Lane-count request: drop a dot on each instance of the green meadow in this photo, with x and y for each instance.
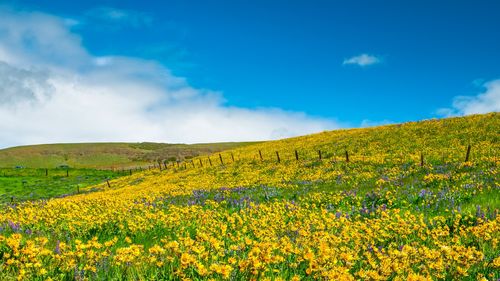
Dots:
(31, 184)
(53, 170)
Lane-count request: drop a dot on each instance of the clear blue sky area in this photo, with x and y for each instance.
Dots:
(291, 54)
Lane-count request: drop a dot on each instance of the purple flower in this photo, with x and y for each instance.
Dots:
(14, 226)
(423, 193)
(370, 249)
(479, 212)
(57, 250)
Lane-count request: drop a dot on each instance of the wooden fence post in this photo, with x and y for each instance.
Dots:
(201, 163)
(260, 154)
(232, 157)
(468, 153)
(67, 173)
(296, 155)
(319, 155)
(278, 156)
(421, 159)
(107, 181)
(220, 157)
(130, 171)
(46, 172)
(210, 161)
(347, 156)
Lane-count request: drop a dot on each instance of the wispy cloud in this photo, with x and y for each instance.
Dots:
(484, 102)
(370, 123)
(53, 90)
(362, 60)
(119, 16)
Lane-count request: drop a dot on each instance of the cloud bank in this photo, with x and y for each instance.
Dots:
(362, 60)
(487, 101)
(53, 90)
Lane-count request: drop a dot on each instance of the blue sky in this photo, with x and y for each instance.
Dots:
(334, 63)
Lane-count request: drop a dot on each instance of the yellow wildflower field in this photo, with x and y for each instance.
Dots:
(399, 202)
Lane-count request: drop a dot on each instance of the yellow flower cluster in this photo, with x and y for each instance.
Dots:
(381, 216)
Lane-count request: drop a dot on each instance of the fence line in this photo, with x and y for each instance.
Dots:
(416, 157)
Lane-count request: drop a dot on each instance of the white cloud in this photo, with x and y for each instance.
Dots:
(362, 60)
(53, 90)
(370, 123)
(487, 101)
(120, 16)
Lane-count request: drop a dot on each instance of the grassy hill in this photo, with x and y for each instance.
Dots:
(103, 155)
(376, 213)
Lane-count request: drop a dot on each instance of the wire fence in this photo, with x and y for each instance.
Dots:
(64, 182)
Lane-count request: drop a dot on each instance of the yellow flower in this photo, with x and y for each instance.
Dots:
(42, 271)
(496, 262)
(186, 259)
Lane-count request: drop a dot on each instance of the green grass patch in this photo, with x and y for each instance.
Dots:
(30, 184)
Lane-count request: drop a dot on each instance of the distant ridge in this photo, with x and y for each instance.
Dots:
(105, 155)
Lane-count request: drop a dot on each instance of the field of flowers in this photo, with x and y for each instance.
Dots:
(367, 210)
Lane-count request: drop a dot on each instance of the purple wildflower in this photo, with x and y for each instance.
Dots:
(57, 250)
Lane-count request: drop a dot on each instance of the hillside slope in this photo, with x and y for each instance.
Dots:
(379, 215)
(103, 155)
(440, 143)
